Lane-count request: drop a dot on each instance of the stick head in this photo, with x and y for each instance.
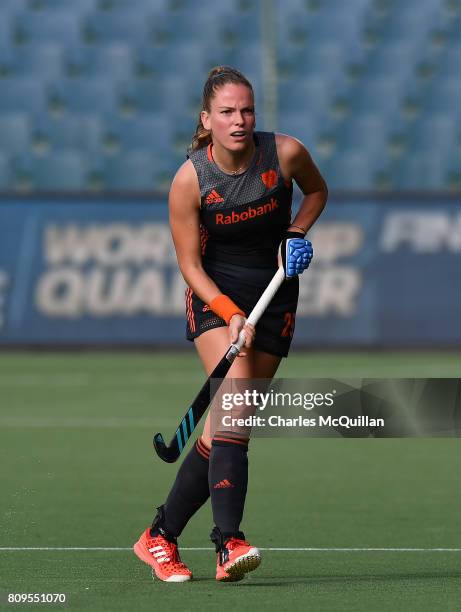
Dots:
(167, 453)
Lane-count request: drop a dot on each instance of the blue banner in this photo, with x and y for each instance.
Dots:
(104, 272)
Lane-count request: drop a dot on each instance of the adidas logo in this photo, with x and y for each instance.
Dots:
(160, 554)
(224, 484)
(214, 198)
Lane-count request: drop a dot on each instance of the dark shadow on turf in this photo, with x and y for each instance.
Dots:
(264, 582)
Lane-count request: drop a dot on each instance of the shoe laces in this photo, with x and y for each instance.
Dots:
(174, 563)
(235, 542)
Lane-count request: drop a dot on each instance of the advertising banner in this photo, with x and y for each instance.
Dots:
(83, 272)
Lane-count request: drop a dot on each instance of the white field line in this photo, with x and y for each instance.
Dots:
(274, 549)
(83, 379)
(85, 422)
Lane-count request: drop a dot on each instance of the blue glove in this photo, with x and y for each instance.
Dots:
(296, 254)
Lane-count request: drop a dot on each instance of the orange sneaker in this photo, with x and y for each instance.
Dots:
(163, 556)
(236, 557)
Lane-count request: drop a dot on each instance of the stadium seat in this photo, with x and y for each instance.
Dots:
(169, 29)
(353, 170)
(71, 6)
(319, 27)
(149, 132)
(12, 7)
(324, 59)
(122, 27)
(14, 132)
(85, 95)
(438, 132)
(40, 60)
(65, 170)
(79, 132)
(53, 26)
(400, 25)
(422, 170)
(136, 170)
(21, 94)
(305, 127)
(444, 96)
(170, 94)
(392, 61)
(335, 7)
(365, 132)
(380, 95)
(166, 61)
(5, 34)
(113, 61)
(5, 172)
(311, 95)
(449, 61)
(146, 6)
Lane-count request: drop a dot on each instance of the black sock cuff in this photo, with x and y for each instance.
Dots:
(219, 538)
(158, 526)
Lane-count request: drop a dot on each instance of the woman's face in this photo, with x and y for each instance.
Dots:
(232, 117)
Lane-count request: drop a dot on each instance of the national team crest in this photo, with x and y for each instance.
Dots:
(269, 178)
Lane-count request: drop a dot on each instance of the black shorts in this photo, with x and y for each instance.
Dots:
(244, 286)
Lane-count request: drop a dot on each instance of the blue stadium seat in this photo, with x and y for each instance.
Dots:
(53, 26)
(66, 170)
(306, 128)
(320, 27)
(364, 132)
(381, 95)
(145, 6)
(14, 132)
(325, 59)
(410, 8)
(438, 132)
(12, 7)
(124, 26)
(170, 94)
(5, 172)
(168, 29)
(21, 94)
(149, 132)
(422, 170)
(73, 7)
(444, 96)
(134, 171)
(40, 60)
(449, 62)
(168, 61)
(79, 132)
(86, 95)
(353, 170)
(392, 61)
(247, 58)
(5, 34)
(114, 61)
(401, 25)
(310, 95)
(325, 7)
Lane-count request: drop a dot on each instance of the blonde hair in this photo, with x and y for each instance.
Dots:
(217, 77)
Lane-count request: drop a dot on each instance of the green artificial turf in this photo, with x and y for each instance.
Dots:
(78, 470)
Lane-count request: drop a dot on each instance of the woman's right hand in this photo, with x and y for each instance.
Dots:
(236, 324)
